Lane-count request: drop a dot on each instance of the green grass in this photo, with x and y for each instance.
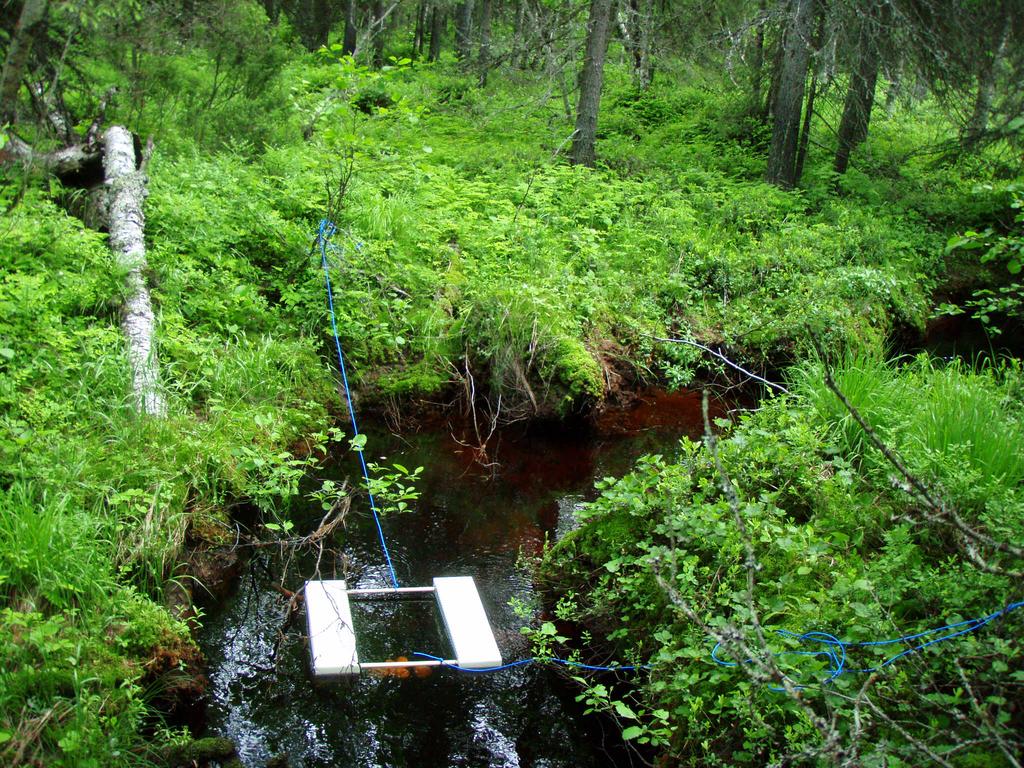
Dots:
(465, 244)
(840, 547)
(960, 426)
(970, 416)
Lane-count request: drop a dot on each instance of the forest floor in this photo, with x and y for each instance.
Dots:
(474, 264)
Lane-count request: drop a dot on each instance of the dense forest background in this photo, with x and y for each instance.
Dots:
(546, 205)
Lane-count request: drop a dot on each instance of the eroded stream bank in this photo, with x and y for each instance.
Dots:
(470, 520)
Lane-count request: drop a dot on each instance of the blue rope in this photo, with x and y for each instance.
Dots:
(324, 233)
(536, 659)
(835, 649)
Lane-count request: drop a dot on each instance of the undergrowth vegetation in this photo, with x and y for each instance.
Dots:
(834, 541)
(96, 501)
(473, 261)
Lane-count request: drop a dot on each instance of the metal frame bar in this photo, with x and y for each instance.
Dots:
(400, 664)
(385, 591)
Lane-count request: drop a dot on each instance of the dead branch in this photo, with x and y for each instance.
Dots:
(723, 358)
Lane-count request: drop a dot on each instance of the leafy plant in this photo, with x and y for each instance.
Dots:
(394, 488)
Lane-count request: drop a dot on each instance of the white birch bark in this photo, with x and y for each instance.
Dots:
(126, 185)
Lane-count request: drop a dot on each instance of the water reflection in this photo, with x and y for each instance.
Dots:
(470, 522)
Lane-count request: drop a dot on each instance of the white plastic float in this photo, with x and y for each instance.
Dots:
(332, 635)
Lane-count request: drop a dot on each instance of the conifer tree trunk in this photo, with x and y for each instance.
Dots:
(437, 24)
(789, 97)
(767, 109)
(420, 31)
(757, 64)
(30, 22)
(591, 81)
(805, 133)
(484, 61)
(860, 98)
(351, 35)
(643, 32)
(978, 123)
(463, 26)
(378, 33)
(126, 184)
(518, 56)
(892, 93)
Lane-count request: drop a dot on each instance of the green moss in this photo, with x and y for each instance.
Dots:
(576, 369)
(418, 380)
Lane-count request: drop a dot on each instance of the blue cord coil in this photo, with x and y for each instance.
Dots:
(324, 233)
(835, 650)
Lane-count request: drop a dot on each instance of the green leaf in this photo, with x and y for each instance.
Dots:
(358, 442)
(623, 710)
(632, 732)
(7, 352)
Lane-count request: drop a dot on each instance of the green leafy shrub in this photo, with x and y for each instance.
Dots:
(839, 549)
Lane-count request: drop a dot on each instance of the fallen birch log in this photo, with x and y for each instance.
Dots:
(126, 191)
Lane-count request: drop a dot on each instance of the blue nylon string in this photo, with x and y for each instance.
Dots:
(324, 233)
(835, 649)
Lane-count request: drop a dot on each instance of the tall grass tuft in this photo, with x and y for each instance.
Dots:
(967, 415)
(960, 427)
(868, 381)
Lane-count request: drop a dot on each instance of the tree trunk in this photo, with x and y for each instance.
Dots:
(637, 32)
(860, 98)
(463, 26)
(789, 97)
(778, 49)
(484, 62)
(591, 81)
(818, 67)
(757, 63)
(517, 36)
(436, 33)
(420, 31)
(892, 93)
(377, 31)
(348, 42)
(30, 22)
(978, 123)
(805, 133)
(273, 10)
(67, 161)
(127, 191)
(313, 21)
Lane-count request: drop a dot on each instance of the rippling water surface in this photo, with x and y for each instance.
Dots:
(469, 521)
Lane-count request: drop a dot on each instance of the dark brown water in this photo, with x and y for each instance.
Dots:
(472, 521)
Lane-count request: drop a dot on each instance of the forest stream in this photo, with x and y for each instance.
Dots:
(471, 520)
